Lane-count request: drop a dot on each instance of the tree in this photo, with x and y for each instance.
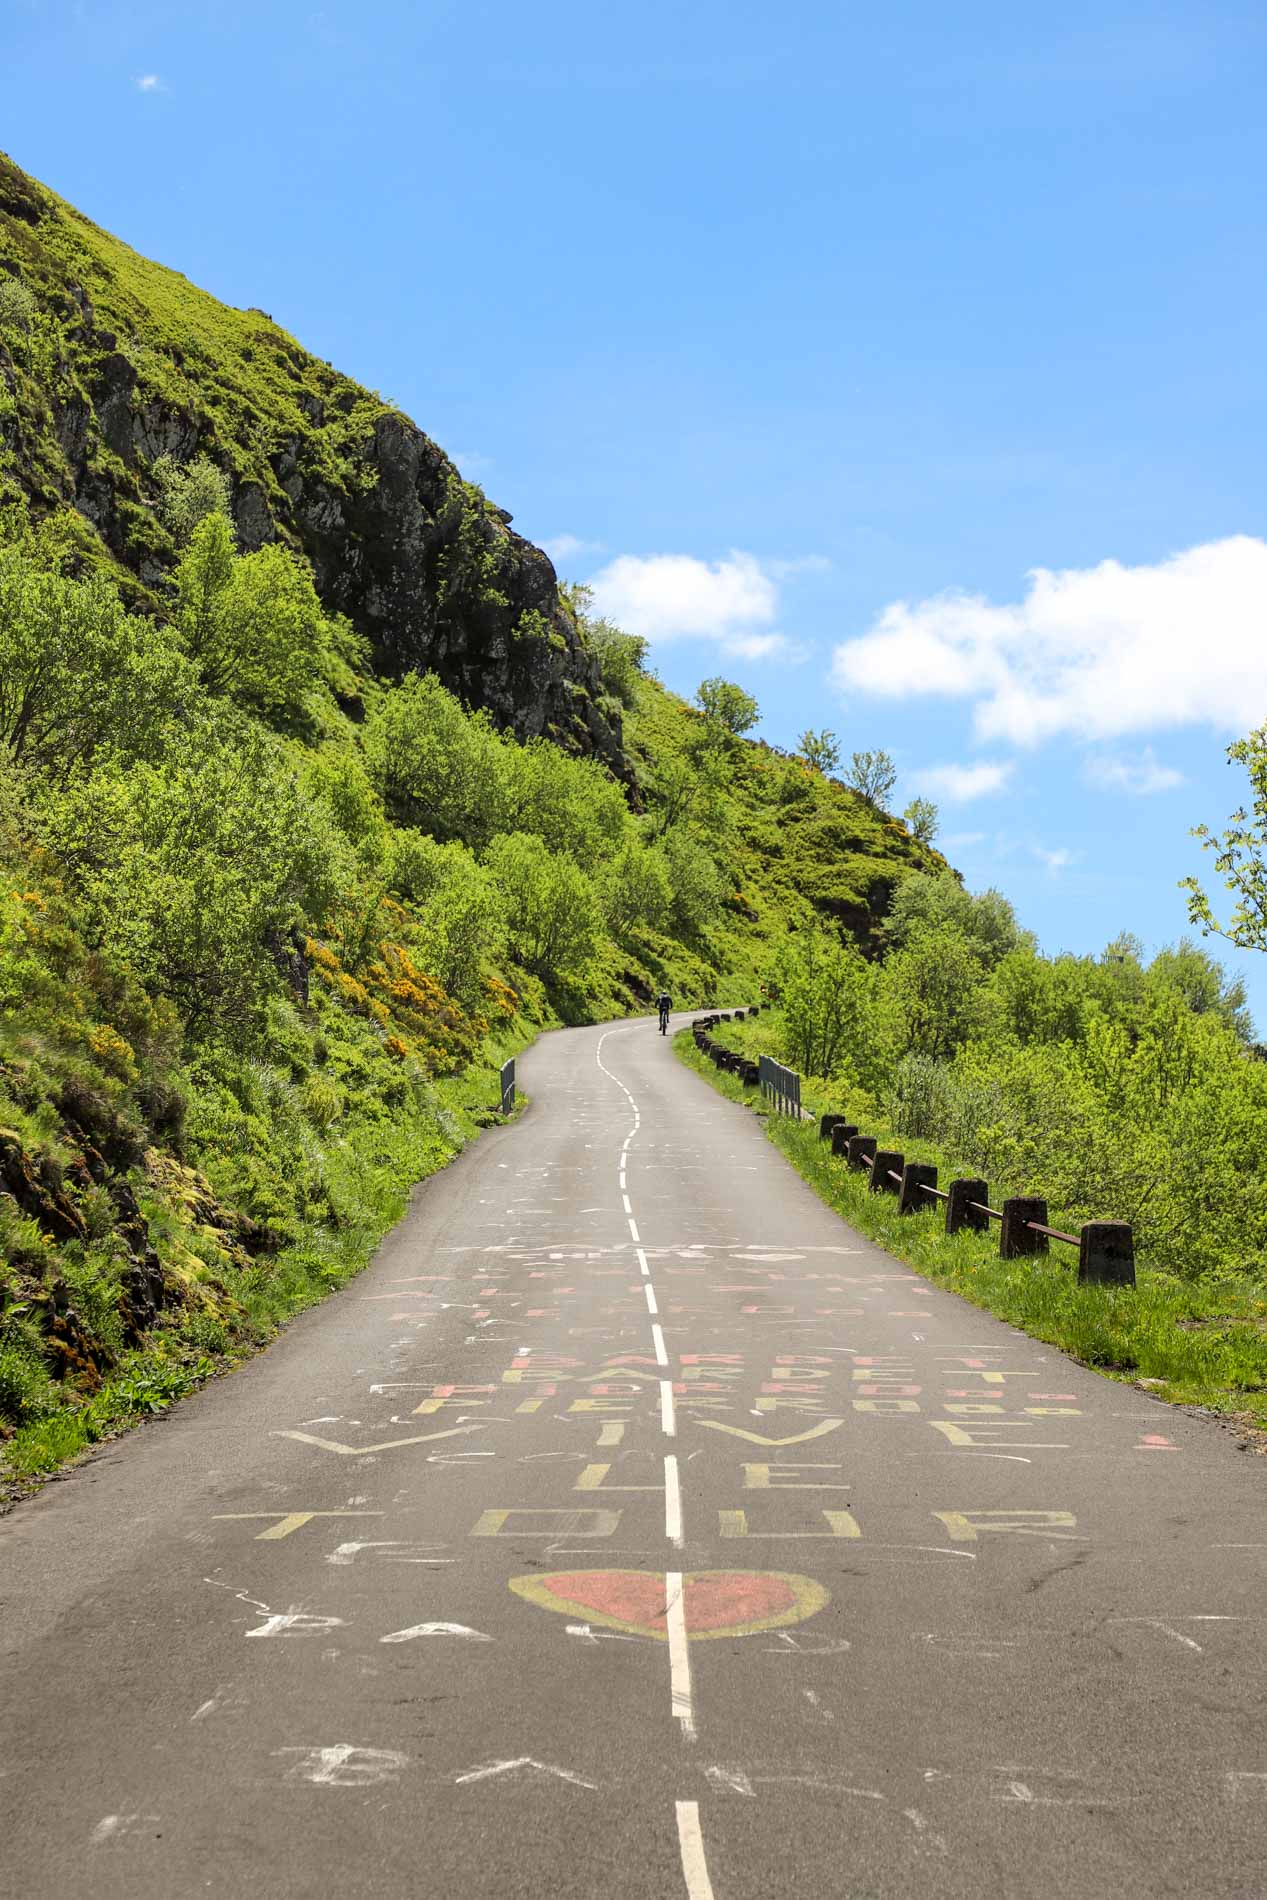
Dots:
(438, 767)
(874, 775)
(252, 623)
(622, 657)
(726, 706)
(188, 492)
(1240, 857)
(635, 889)
(77, 674)
(932, 990)
(925, 900)
(825, 987)
(553, 917)
(921, 820)
(820, 750)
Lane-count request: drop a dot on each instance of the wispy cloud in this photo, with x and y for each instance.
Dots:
(1140, 776)
(1058, 860)
(1096, 652)
(149, 82)
(963, 840)
(570, 547)
(959, 783)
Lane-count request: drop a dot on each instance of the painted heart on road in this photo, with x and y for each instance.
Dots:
(717, 1602)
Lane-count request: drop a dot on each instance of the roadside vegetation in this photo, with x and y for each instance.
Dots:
(1113, 1087)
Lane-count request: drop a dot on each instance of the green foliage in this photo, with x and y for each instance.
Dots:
(17, 307)
(188, 492)
(438, 768)
(826, 991)
(77, 674)
(933, 901)
(252, 623)
(921, 819)
(637, 890)
(622, 657)
(873, 775)
(726, 707)
(553, 915)
(1240, 857)
(820, 750)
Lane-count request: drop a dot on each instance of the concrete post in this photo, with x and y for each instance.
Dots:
(960, 1213)
(1106, 1253)
(825, 1125)
(916, 1176)
(1017, 1241)
(841, 1135)
(885, 1159)
(860, 1150)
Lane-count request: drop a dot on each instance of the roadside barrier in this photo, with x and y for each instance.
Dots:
(508, 1087)
(1106, 1248)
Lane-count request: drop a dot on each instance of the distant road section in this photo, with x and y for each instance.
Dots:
(634, 1528)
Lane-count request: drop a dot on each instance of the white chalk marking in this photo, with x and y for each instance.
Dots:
(679, 1654)
(733, 1778)
(672, 1501)
(295, 1623)
(436, 1629)
(344, 1765)
(668, 1415)
(522, 1761)
(691, 1843)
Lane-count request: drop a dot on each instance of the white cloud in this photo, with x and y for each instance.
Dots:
(1096, 652)
(1141, 776)
(677, 597)
(570, 547)
(1057, 860)
(802, 564)
(962, 840)
(958, 783)
(150, 82)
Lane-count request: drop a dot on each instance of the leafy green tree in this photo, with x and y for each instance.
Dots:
(699, 890)
(932, 992)
(572, 805)
(1203, 984)
(826, 989)
(726, 707)
(77, 674)
(935, 899)
(622, 657)
(921, 820)
(188, 492)
(439, 768)
(635, 888)
(553, 917)
(193, 871)
(820, 750)
(1240, 857)
(252, 623)
(874, 775)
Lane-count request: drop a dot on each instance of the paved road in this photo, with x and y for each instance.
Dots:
(635, 1528)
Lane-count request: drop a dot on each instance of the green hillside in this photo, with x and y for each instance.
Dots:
(317, 798)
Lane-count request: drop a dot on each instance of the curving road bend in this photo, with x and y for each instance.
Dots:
(632, 1527)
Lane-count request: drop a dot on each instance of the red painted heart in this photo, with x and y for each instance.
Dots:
(716, 1602)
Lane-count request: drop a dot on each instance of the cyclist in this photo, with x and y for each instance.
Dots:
(664, 1003)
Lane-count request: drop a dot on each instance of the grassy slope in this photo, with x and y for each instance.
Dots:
(1192, 1345)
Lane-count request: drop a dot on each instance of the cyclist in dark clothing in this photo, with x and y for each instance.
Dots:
(664, 1003)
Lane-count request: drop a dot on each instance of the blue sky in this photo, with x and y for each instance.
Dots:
(903, 363)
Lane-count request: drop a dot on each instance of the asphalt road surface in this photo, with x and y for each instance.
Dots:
(635, 1528)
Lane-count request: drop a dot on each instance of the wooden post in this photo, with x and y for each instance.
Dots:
(916, 1176)
(1017, 1240)
(886, 1159)
(841, 1135)
(825, 1125)
(1106, 1253)
(860, 1150)
(961, 1213)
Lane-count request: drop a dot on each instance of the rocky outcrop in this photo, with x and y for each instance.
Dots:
(419, 561)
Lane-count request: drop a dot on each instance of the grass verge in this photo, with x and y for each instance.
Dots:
(388, 1159)
(1187, 1343)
